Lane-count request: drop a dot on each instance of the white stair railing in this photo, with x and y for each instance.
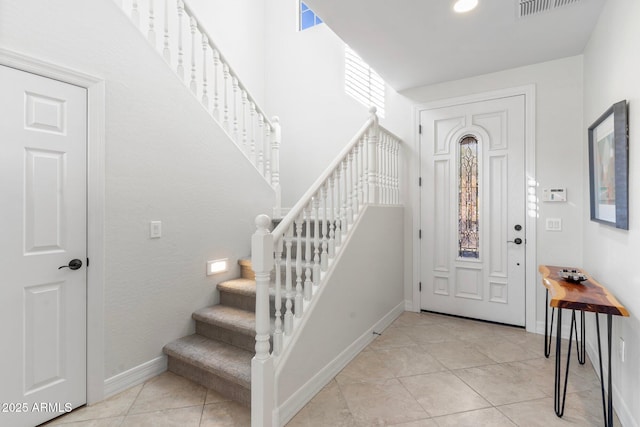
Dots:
(304, 244)
(190, 52)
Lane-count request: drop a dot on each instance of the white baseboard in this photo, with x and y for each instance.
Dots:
(408, 306)
(134, 376)
(291, 406)
(619, 405)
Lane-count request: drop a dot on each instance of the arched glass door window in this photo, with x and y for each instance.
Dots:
(468, 203)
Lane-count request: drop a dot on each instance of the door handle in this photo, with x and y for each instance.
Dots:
(517, 241)
(74, 264)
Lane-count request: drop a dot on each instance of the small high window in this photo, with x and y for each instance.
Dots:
(362, 82)
(307, 17)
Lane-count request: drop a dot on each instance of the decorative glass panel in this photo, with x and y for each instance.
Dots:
(468, 241)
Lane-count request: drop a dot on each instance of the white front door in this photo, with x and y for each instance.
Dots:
(473, 210)
(43, 209)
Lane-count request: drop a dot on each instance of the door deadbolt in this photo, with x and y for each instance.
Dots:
(518, 227)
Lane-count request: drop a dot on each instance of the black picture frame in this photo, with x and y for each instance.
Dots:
(609, 167)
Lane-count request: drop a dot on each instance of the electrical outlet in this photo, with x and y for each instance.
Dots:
(621, 350)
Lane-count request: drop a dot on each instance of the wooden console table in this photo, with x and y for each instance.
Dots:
(591, 296)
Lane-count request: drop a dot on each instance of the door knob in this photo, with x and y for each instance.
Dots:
(517, 241)
(74, 264)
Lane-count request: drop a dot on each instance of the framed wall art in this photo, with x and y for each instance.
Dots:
(609, 167)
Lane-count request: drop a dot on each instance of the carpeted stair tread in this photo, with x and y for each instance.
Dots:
(239, 286)
(231, 318)
(242, 286)
(226, 361)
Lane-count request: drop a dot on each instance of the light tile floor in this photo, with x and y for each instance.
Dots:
(424, 370)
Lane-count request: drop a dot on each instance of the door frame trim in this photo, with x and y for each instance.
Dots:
(95, 204)
(531, 271)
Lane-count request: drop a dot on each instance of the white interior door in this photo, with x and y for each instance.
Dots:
(43, 157)
(473, 210)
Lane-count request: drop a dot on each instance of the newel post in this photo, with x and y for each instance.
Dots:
(276, 138)
(262, 369)
(372, 159)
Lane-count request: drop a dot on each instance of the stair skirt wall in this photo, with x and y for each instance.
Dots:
(362, 293)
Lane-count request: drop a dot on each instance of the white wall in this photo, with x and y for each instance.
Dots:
(237, 28)
(611, 70)
(305, 88)
(559, 147)
(347, 308)
(165, 160)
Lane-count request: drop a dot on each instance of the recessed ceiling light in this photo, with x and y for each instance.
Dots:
(462, 6)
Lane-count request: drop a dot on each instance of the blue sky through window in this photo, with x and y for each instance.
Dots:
(308, 18)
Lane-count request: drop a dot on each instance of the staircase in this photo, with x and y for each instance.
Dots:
(218, 356)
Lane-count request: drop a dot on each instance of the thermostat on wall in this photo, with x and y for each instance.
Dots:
(554, 195)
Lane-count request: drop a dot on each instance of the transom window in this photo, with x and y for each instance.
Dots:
(307, 17)
(468, 238)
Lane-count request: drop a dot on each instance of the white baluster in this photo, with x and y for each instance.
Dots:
(324, 261)
(372, 161)
(338, 206)
(252, 128)
(365, 167)
(347, 212)
(308, 281)
(266, 151)
(216, 98)
(135, 14)
(225, 119)
(151, 33)
(299, 296)
(332, 211)
(275, 164)
(358, 160)
(245, 145)
(277, 334)
(288, 315)
(389, 171)
(262, 264)
(205, 47)
(396, 171)
(166, 53)
(180, 68)
(193, 85)
(260, 145)
(316, 240)
(234, 82)
(384, 180)
(349, 193)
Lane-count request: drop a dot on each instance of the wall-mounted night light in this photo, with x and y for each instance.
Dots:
(217, 266)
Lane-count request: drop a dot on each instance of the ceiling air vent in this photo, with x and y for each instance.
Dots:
(534, 7)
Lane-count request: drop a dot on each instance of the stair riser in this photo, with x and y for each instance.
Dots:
(246, 302)
(227, 388)
(214, 332)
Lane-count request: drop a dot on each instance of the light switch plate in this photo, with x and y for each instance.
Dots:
(554, 224)
(155, 229)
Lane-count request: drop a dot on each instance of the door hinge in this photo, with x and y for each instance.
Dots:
(420, 129)
(420, 287)
(419, 181)
(420, 234)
